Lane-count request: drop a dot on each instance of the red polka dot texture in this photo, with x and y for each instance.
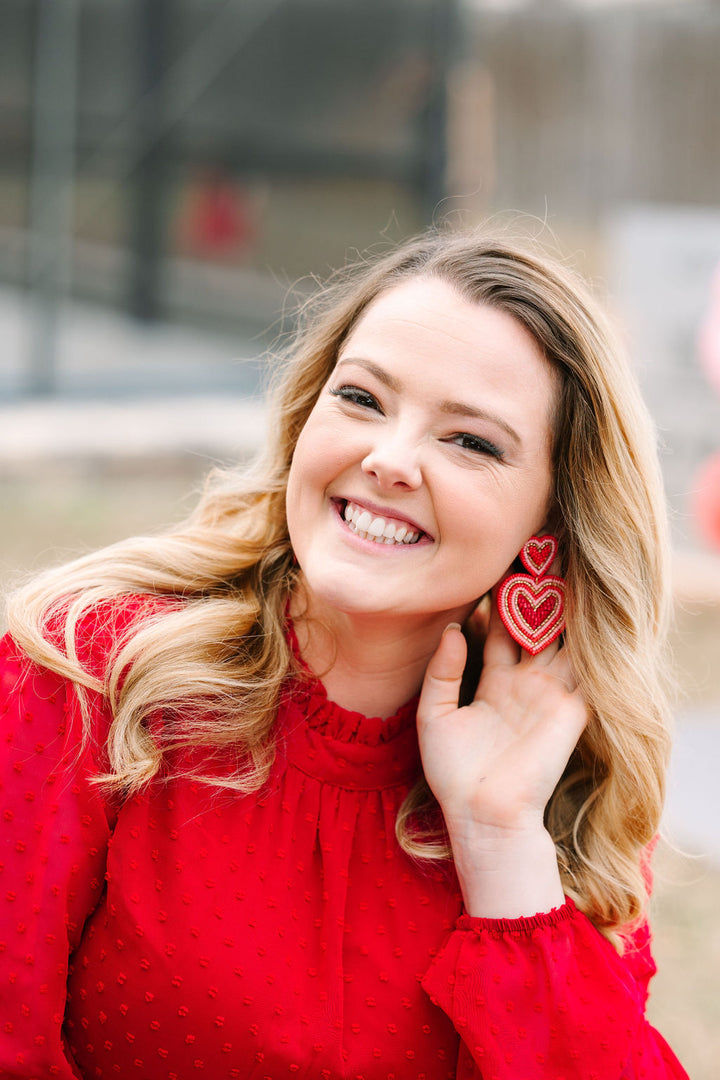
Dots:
(196, 932)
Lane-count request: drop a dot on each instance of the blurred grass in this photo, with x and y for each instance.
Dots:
(48, 519)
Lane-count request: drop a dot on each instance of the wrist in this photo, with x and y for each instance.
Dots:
(507, 874)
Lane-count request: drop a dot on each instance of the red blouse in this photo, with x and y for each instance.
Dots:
(198, 932)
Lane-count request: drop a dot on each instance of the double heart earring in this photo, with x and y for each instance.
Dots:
(532, 605)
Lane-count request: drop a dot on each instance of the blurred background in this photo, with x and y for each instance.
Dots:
(175, 174)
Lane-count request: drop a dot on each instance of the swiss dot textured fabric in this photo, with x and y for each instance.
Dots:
(194, 933)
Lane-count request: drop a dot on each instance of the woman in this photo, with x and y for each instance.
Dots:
(309, 871)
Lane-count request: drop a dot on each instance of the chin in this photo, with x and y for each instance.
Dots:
(350, 603)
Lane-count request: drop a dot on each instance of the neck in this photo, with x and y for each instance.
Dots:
(371, 664)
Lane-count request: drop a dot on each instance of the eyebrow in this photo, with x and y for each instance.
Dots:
(452, 408)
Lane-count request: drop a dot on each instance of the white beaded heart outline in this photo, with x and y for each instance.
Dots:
(532, 606)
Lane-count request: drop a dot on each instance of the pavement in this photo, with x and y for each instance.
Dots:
(128, 394)
(40, 435)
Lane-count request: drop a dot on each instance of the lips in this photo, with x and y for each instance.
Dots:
(379, 528)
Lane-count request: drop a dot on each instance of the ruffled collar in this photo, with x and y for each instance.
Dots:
(339, 746)
(330, 719)
(333, 720)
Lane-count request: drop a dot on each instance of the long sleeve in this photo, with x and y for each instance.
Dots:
(547, 998)
(267, 935)
(54, 832)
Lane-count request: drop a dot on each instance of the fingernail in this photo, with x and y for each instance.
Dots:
(452, 626)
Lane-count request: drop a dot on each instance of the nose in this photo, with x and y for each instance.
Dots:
(394, 461)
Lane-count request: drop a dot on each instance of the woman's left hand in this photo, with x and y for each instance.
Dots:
(493, 764)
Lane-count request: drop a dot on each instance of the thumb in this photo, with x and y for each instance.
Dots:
(441, 685)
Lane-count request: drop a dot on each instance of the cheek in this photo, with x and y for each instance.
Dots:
(492, 524)
(310, 472)
(324, 450)
(309, 452)
(297, 487)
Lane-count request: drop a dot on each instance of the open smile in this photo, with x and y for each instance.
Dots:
(378, 528)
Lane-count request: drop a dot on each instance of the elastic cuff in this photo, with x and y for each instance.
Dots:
(524, 925)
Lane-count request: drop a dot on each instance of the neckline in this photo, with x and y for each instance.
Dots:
(336, 721)
(340, 747)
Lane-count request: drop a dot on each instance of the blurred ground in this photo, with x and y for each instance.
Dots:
(100, 463)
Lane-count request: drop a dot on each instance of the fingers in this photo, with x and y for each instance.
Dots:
(500, 649)
(441, 685)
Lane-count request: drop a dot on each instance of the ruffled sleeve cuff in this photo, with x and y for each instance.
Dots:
(524, 925)
(543, 997)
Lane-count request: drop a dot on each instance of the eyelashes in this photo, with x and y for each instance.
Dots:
(357, 396)
(476, 444)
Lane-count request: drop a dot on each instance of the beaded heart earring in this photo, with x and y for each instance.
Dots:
(532, 605)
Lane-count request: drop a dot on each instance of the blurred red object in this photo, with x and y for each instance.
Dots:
(706, 500)
(219, 221)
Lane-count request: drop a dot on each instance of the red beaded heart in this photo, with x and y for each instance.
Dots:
(538, 554)
(533, 611)
(532, 606)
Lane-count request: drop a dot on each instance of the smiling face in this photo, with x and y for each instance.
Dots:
(426, 462)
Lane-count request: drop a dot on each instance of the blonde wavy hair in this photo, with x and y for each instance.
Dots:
(214, 661)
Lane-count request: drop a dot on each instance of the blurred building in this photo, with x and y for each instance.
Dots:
(223, 151)
(263, 137)
(271, 136)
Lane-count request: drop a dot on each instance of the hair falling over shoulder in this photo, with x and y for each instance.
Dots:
(210, 652)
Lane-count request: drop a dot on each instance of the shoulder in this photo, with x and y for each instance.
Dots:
(96, 633)
(57, 683)
(74, 646)
(53, 746)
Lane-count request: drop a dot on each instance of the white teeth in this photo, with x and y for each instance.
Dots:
(377, 529)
